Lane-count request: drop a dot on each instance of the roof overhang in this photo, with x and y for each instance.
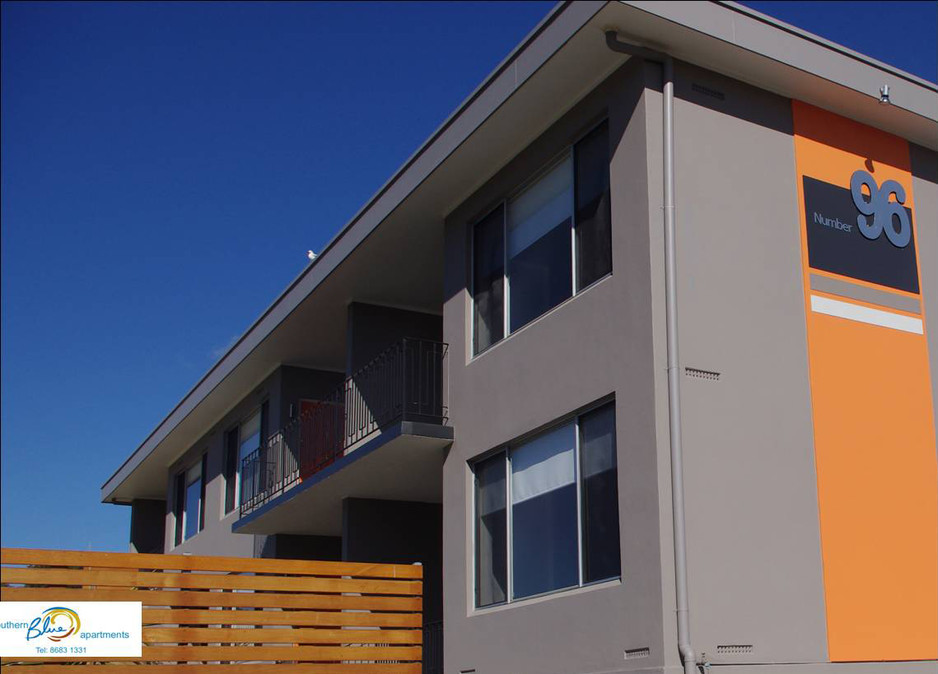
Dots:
(558, 63)
(741, 43)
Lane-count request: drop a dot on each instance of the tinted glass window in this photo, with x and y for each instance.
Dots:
(564, 499)
(193, 500)
(599, 494)
(543, 512)
(488, 279)
(491, 532)
(179, 505)
(539, 246)
(593, 212)
(523, 251)
(231, 469)
(250, 434)
(250, 440)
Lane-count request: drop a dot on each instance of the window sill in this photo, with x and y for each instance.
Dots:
(547, 596)
(533, 321)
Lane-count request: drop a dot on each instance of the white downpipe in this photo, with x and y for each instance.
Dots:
(688, 657)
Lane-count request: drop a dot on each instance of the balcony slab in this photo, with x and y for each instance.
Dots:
(402, 462)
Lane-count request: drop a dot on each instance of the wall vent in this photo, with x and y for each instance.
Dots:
(707, 91)
(637, 653)
(697, 373)
(734, 649)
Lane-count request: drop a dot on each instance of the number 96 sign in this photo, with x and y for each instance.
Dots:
(877, 214)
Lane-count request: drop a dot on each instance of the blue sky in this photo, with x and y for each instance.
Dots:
(166, 166)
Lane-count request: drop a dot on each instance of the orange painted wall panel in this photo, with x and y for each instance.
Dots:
(874, 433)
(875, 453)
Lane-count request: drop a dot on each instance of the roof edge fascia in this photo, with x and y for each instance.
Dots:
(824, 42)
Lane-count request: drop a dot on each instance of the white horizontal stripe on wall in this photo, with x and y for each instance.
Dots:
(857, 312)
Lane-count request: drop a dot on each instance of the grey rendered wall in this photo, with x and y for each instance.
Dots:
(754, 558)
(299, 383)
(285, 386)
(372, 328)
(216, 537)
(146, 525)
(398, 532)
(593, 345)
(925, 192)
(292, 546)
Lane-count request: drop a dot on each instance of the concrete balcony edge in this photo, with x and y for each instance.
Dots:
(438, 436)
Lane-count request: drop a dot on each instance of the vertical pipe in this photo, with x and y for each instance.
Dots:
(688, 657)
(674, 379)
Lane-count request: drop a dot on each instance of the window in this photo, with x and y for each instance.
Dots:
(231, 469)
(547, 515)
(179, 505)
(491, 532)
(538, 230)
(190, 501)
(249, 443)
(243, 482)
(544, 244)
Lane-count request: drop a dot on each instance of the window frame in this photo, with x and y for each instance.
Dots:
(179, 505)
(232, 469)
(505, 451)
(263, 409)
(181, 513)
(569, 150)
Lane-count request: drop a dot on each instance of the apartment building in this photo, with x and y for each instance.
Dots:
(634, 354)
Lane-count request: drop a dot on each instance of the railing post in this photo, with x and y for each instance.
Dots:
(404, 379)
(444, 384)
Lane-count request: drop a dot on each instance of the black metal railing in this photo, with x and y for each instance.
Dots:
(403, 383)
(433, 648)
(255, 479)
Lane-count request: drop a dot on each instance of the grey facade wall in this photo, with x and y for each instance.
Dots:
(216, 537)
(398, 532)
(292, 546)
(754, 557)
(755, 568)
(146, 525)
(373, 328)
(596, 344)
(299, 383)
(283, 388)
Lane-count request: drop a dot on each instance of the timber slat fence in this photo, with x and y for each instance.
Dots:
(233, 615)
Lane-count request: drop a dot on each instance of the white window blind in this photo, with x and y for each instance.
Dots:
(250, 434)
(599, 454)
(492, 500)
(544, 205)
(543, 464)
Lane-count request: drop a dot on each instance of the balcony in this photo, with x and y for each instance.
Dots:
(398, 395)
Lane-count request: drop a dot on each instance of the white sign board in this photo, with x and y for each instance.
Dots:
(79, 629)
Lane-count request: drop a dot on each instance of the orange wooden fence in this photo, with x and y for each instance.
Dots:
(234, 615)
